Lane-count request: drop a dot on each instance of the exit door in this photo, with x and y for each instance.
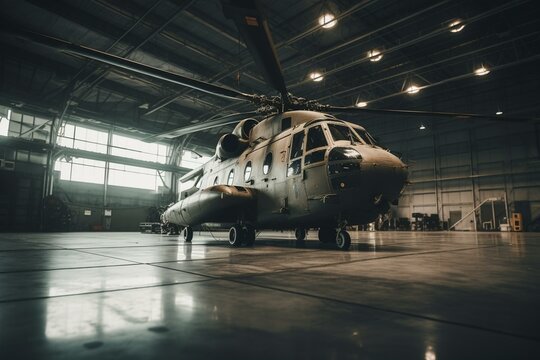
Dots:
(297, 197)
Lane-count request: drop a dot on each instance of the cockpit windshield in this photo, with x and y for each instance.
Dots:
(366, 137)
(342, 132)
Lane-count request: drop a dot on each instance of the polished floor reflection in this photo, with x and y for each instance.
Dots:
(395, 295)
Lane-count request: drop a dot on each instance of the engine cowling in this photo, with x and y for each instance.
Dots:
(244, 127)
(230, 145)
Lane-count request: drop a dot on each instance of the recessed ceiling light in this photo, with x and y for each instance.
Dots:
(316, 76)
(361, 104)
(481, 71)
(327, 21)
(413, 89)
(499, 112)
(374, 55)
(422, 127)
(456, 26)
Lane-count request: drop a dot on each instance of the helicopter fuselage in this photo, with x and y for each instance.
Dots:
(300, 169)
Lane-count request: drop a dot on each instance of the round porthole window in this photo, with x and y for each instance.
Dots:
(267, 165)
(230, 179)
(247, 171)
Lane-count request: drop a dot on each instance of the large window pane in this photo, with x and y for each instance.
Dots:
(79, 137)
(192, 160)
(133, 148)
(132, 176)
(83, 170)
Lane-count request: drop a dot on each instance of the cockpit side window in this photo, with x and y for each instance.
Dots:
(342, 132)
(297, 142)
(315, 138)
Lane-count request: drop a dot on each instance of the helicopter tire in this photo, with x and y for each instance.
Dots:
(300, 234)
(187, 233)
(343, 240)
(327, 235)
(236, 235)
(249, 235)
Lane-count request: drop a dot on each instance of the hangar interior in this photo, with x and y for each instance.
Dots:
(88, 153)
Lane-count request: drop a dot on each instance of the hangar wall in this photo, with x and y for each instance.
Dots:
(457, 164)
(25, 149)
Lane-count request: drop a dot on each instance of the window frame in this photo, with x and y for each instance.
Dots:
(269, 166)
(247, 175)
(230, 178)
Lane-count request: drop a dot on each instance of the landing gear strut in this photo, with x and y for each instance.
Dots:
(327, 235)
(249, 235)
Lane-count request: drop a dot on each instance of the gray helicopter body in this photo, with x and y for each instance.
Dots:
(298, 169)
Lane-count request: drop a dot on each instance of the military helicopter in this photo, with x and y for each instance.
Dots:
(300, 167)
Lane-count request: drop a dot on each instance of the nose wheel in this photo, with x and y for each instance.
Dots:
(340, 237)
(187, 233)
(300, 235)
(239, 234)
(343, 240)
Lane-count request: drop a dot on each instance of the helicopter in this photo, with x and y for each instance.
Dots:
(299, 167)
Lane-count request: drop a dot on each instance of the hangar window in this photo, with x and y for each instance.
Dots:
(230, 179)
(4, 121)
(25, 126)
(83, 138)
(247, 171)
(79, 169)
(267, 165)
(137, 149)
(192, 160)
(133, 177)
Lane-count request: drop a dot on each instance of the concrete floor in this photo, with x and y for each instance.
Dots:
(395, 295)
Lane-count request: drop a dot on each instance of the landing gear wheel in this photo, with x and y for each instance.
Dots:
(249, 235)
(236, 235)
(343, 240)
(327, 235)
(300, 235)
(187, 233)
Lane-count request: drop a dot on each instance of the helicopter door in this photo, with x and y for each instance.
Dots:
(297, 196)
(315, 176)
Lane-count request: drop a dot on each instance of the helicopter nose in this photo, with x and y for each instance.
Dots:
(376, 172)
(385, 171)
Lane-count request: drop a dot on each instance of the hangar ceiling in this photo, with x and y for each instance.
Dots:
(194, 38)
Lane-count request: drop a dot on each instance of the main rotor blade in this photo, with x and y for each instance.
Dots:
(225, 120)
(351, 109)
(253, 27)
(133, 66)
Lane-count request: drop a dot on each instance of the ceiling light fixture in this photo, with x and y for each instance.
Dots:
(456, 26)
(361, 104)
(422, 127)
(316, 76)
(481, 71)
(327, 20)
(374, 55)
(499, 112)
(413, 89)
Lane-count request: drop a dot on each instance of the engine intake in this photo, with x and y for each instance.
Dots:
(230, 145)
(244, 127)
